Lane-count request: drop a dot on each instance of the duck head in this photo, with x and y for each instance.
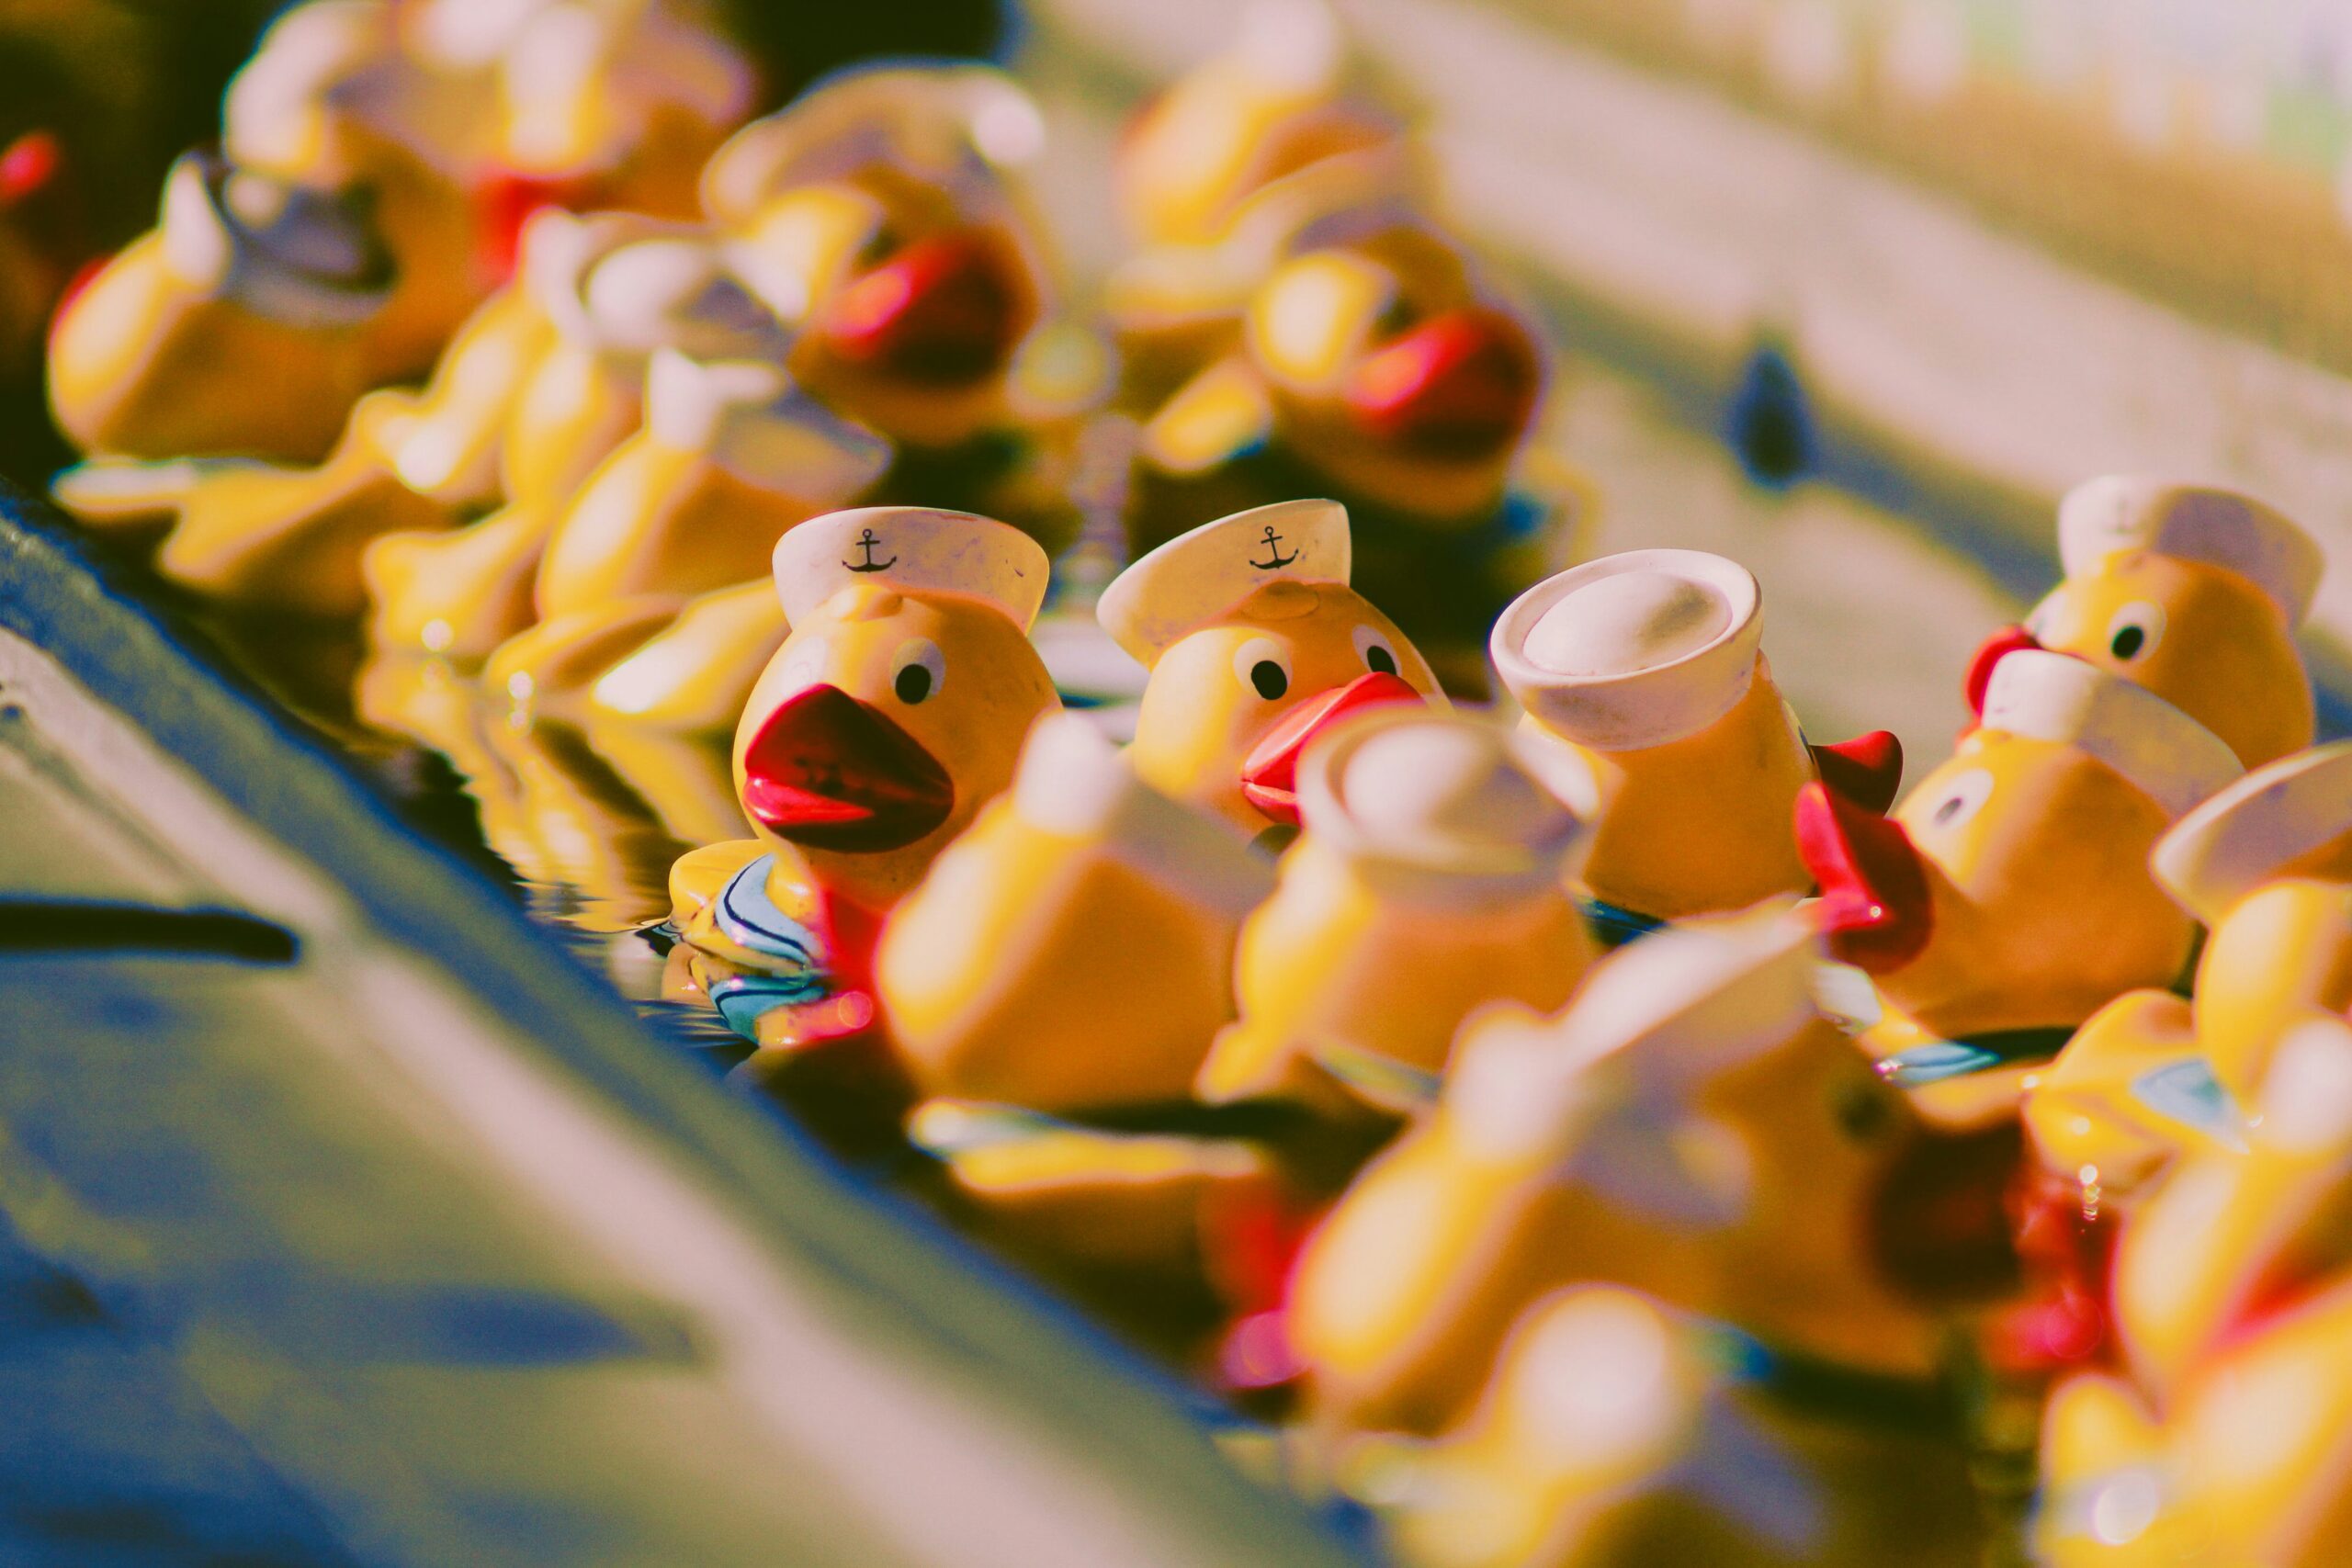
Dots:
(2010, 889)
(1257, 647)
(897, 706)
(1391, 370)
(2190, 592)
(878, 219)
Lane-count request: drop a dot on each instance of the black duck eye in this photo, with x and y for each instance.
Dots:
(1963, 797)
(1374, 651)
(2136, 629)
(1262, 667)
(920, 669)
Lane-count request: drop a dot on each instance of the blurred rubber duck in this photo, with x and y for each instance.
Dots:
(2008, 898)
(1272, 103)
(547, 381)
(1255, 644)
(893, 711)
(2264, 867)
(462, 121)
(1426, 882)
(535, 392)
(651, 598)
(1651, 710)
(2239, 1235)
(1690, 1125)
(244, 281)
(1074, 949)
(1615, 1432)
(2225, 1443)
(1376, 365)
(884, 219)
(2191, 591)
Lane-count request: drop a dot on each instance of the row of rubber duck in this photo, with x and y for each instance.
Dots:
(1621, 1138)
(652, 342)
(1587, 1192)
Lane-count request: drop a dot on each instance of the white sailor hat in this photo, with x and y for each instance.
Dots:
(1693, 996)
(2197, 523)
(1418, 790)
(917, 551)
(1633, 650)
(2238, 840)
(2163, 754)
(1195, 578)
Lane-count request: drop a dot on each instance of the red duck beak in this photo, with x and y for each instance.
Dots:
(943, 310)
(832, 772)
(1999, 646)
(1875, 910)
(29, 165)
(1460, 385)
(1270, 773)
(1866, 771)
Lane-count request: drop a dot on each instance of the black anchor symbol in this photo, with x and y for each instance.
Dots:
(867, 542)
(1275, 561)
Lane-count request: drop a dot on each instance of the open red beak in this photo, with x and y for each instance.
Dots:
(1460, 385)
(1270, 773)
(1990, 652)
(1867, 770)
(1875, 910)
(832, 772)
(942, 309)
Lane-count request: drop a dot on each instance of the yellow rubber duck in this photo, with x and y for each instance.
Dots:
(1256, 644)
(1376, 366)
(892, 713)
(884, 219)
(668, 540)
(1271, 105)
(2008, 898)
(1689, 1126)
(245, 282)
(2235, 1235)
(1651, 710)
(1616, 1432)
(2227, 1442)
(2193, 591)
(466, 121)
(1426, 883)
(1074, 949)
(2265, 866)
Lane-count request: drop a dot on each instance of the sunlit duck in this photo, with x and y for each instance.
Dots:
(1690, 1124)
(2190, 590)
(893, 711)
(1073, 950)
(1426, 882)
(1255, 643)
(2008, 898)
(1651, 709)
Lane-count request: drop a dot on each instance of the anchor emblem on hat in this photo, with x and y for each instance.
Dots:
(869, 542)
(1275, 561)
